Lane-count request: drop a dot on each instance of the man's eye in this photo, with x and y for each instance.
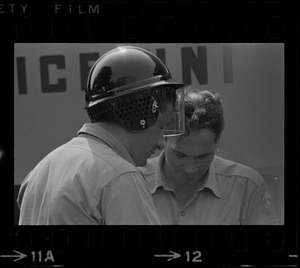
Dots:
(203, 156)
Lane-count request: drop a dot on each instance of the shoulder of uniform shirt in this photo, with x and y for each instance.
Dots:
(151, 166)
(116, 162)
(230, 168)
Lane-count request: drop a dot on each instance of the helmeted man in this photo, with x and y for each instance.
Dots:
(132, 101)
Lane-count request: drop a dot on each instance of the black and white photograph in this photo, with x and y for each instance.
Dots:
(149, 133)
(225, 167)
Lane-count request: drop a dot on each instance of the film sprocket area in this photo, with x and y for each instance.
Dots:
(151, 246)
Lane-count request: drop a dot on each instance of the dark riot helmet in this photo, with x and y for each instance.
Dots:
(136, 88)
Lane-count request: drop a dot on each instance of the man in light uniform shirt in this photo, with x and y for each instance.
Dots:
(191, 185)
(93, 179)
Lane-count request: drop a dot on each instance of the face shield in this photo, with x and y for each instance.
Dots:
(159, 108)
(168, 106)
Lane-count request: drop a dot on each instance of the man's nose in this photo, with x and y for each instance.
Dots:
(190, 168)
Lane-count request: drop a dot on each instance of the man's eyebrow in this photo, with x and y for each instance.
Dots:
(204, 154)
(178, 152)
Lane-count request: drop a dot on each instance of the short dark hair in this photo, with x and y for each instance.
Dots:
(203, 110)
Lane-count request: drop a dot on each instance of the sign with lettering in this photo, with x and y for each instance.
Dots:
(50, 79)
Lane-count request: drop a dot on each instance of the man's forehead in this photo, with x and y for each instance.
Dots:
(195, 142)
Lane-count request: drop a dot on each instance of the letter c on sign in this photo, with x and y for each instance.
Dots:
(59, 61)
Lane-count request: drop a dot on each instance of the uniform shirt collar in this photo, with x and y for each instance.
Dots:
(211, 182)
(95, 131)
(153, 174)
(159, 179)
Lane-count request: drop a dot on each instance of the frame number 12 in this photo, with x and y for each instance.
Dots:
(193, 256)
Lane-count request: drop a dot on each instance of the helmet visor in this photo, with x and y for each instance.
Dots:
(171, 115)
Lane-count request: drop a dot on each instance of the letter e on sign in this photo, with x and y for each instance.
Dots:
(86, 61)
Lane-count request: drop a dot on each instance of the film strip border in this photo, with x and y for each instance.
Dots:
(145, 21)
(148, 21)
(131, 245)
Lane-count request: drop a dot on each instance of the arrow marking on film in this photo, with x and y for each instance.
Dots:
(172, 256)
(20, 256)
